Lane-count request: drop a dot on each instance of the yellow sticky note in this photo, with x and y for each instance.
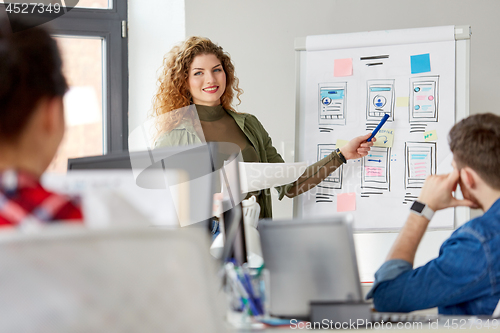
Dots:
(341, 143)
(402, 101)
(385, 138)
(430, 136)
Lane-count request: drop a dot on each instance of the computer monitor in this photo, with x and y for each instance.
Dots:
(114, 160)
(148, 168)
(111, 198)
(309, 260)
(235, 247)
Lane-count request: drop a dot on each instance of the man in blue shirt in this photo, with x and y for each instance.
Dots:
(465, 278)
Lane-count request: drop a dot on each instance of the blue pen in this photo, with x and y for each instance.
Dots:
(239, 287)
(256, 300)
(247, 284)
(379, 126)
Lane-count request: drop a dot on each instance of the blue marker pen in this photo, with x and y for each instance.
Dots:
(379, 126)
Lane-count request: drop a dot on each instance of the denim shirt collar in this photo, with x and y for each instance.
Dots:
(494, 208)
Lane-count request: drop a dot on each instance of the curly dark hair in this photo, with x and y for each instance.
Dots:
(30, 69)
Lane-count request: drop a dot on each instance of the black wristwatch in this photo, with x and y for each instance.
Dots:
(422, 209)
(339, 154)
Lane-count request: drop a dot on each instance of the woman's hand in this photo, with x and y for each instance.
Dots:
(357, 147)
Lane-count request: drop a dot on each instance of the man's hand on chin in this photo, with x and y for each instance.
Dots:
(437, 192)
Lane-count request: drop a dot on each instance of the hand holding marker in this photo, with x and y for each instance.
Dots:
(379, 126)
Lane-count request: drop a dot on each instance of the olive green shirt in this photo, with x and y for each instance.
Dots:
(185, 134)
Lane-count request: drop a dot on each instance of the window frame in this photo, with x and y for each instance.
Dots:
(110, 24)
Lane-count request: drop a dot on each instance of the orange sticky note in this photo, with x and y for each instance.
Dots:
(342, 67)
(346, 202)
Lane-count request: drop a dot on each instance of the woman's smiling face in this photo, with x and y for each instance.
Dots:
(207, 80)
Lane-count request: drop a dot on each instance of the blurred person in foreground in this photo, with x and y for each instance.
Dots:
(465, 278)
(32, 87)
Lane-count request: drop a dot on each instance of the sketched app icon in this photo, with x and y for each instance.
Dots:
(36, 12)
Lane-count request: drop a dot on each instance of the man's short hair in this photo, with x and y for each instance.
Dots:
(475, 142)
(30, 69)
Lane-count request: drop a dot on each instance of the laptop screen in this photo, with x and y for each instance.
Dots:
(235, 247)
(309, 260)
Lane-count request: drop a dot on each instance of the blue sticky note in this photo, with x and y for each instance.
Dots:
(420, 63)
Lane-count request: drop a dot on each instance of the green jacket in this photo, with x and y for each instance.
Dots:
(185, 134)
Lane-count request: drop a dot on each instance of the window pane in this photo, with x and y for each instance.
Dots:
(105, 4)
(82, 66)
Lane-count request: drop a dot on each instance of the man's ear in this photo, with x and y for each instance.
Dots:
(469, 177)
(52, 114)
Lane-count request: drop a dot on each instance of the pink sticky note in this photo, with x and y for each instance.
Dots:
(342, 67)
(346, 202)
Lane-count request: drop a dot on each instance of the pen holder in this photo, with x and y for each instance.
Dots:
(246, 291)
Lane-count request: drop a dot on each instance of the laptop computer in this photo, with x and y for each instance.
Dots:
(309, 260)
(313, 262)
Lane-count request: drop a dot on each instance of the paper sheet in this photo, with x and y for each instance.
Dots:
(259, 176)
(334, 108)
(380, 38)
(112, 198)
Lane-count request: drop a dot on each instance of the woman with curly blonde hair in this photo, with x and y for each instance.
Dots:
(199, 72)
(173, 92)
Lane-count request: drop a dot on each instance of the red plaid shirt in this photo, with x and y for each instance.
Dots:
(23, 200)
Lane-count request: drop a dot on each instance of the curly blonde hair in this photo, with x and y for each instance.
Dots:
(173, 92)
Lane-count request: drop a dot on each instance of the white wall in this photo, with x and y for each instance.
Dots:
(259, 35)
(154, 27)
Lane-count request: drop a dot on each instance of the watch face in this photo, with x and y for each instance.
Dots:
(418, 207)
